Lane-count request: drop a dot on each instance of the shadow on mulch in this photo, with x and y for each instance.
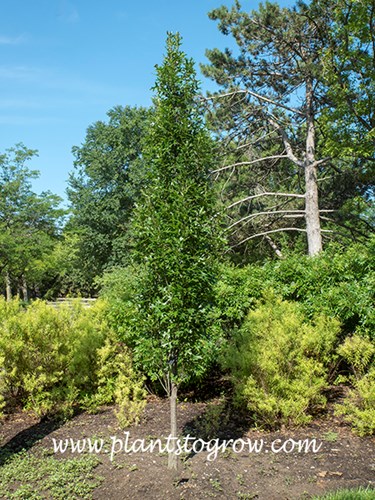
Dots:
(27, 438)
(220, 421)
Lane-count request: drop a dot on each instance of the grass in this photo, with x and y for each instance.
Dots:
(357, 494)
(25, 475)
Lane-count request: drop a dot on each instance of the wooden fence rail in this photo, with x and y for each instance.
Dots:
(85, 302)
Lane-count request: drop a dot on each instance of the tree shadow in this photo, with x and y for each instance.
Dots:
(27, 438)
(221, 421)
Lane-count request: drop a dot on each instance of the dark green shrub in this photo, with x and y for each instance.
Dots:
(235, 292)
(119, 287)
(338, 283)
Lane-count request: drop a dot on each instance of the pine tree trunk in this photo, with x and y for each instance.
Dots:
(8, 287)
(172, 457)
(313, 230)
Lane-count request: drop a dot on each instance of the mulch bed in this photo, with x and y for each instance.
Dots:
(342, 461)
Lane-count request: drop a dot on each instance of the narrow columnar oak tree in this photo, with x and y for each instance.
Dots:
(175, 234)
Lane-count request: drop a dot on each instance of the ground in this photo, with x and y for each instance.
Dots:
(342, 461)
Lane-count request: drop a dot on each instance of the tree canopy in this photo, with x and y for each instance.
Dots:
(103, 189)
(29, 223)
(272, 114)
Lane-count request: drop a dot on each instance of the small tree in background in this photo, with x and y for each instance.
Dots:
(175, 235)
(29, 223)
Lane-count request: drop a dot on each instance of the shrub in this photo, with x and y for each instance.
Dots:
(279, 362)
(49, 354)
(118, 382)
(235, 293)
(358, 407)
(358, 352)
(52, 360)
(119, 287)
(339, 282)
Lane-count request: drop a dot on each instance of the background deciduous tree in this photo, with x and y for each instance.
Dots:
(103, 189)
(29, 223)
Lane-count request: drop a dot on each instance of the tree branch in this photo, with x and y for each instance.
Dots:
(266, 194)
(269, 232)
(274, 247)
(257, 96)
(278, 104)
(320, 162)
(243, 163)
(302, 212)
(287, 145)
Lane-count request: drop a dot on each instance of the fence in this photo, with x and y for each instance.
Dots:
(85, 302)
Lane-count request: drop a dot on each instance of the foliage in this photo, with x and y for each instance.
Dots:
(119, 288)
(359, 353)
(118, 382)
(55, 360)
(49, 355)
(280, 361)
(349, 70)
(235, 293)
(358, 406)
(340, 282)
(26, 475)
(29, 223)
(276, 116)
(174, 231)
(110, 171)
(59, 273)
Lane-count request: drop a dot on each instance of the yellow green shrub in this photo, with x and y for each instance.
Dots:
(358, 406)
(118, 382)
(279, 362)
(52, 360)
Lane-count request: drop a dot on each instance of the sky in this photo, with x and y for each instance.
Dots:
(65, 63)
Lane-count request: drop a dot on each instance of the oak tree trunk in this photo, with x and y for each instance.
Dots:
(172, 457)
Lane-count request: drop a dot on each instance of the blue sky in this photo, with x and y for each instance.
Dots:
(65, 63)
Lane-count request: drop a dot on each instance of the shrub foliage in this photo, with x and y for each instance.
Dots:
(280, 362)
(55, 360)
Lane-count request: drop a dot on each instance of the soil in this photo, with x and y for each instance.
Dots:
(343, 460)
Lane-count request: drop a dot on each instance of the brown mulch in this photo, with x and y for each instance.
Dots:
(343, 460)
